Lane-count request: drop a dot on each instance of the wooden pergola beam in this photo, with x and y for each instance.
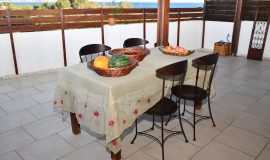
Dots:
(163, 22)
(237, 26)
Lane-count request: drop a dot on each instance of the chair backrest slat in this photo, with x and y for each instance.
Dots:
(133, 42)
(205, 71)
(175, 72)
(91, 49)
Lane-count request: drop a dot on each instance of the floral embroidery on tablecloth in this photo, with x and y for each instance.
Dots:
(96, 113)
(80, 115)
(111, 123)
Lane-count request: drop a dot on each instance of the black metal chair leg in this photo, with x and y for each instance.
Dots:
(194, 116)
(184, 108)
(209, 107)
(152, 128)
(180, 122)
(162, 138)
(136, 129)
(168, 120)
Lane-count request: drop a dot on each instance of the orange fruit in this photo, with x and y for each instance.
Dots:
(101, 62)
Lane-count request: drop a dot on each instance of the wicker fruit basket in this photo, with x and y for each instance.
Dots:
(175, 53)
(137, 53)
(114, 72)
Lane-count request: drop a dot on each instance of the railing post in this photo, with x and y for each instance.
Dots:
(63, 37)
(144, 25)
(12, 42)
(178, 28)
(203, 28)
(102, 25)
(163, 22)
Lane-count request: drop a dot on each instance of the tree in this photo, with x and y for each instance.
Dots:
(45, 5)
(81, 4)
(63, 4)
(125, 4)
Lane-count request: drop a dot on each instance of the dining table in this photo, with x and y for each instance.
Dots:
(109, 105)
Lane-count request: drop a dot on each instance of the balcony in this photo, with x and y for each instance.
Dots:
(31, 129)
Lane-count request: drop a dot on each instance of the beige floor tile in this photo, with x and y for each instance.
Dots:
(45, 127)
(18, 105)
(50, 148)
(92, 151)
(4, 98)
(14, 120)
(44, 97)
(175, 148)
(6, 88)
(204, 134)
(254, 124)
(48, 77)
(265, 155)
(252, 91)
(48, 86)
(2, 113)
(24, 82)
(22, 92)
(260, 110)
(222, 119)
(14, 139)
(43, 110)
(77, 140)
(140, 155)
(268, 146)
(11, 156)
(236, 97)
(242, 140)
(216, 151)
(265, 99)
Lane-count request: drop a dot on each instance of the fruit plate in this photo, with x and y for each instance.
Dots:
(175, 53)
(114, 72)
(137, 53)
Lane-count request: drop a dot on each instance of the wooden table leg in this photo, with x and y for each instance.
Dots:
(198, 105)
(116, 156)
(76, 129)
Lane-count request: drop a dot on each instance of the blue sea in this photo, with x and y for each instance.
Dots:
(134, 4)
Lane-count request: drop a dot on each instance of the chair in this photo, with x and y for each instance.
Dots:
(205, 68)
(173, 73)
(135, 42)
(92, 49)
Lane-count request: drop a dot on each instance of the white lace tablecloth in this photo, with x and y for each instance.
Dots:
(110, 105)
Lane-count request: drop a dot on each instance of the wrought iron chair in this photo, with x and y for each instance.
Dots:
(92, 49)
(135, 42)
(205, 68)
(174, 73)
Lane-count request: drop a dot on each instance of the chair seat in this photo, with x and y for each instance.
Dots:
(188, 92)
(167, 107)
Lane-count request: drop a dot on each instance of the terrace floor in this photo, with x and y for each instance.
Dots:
(31, 130)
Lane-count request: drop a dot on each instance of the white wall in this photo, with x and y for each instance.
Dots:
(246, 28)
(191, 34)
(216, 31)
(245, 33)
(6, 58)
(77, 38)
(37, 51)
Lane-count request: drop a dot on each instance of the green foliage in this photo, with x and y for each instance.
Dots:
(63, 4)
(67, 4)
(9, 6)
(125, 4)
(82, 4)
